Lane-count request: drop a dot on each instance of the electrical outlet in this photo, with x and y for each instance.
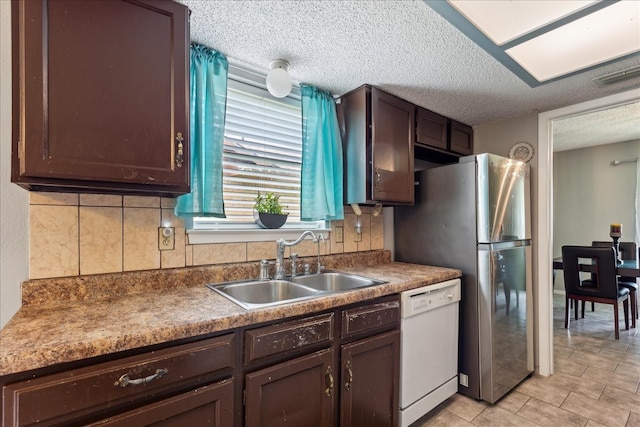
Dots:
(358, 237)
(464, 380)
(166, 238)
(339, 234)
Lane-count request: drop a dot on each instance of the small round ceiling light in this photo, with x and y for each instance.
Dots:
(278, 79)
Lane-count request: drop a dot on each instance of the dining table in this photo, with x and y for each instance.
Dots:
(628, 267)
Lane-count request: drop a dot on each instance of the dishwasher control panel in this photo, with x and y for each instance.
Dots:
(430, 297)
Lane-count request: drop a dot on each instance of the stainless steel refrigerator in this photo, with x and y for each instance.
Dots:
(475, 216)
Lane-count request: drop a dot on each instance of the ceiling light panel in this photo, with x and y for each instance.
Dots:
(503, 21)
(609, 33)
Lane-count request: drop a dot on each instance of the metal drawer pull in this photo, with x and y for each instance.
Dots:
(124, 380)
(347, 385)
(329, 374)
(180, 150)
(378, 178)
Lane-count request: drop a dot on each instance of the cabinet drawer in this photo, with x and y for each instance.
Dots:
(294, 335)
(370, 318)
(103, 387)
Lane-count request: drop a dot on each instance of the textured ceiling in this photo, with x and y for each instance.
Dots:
(403, 47)
(621, 123)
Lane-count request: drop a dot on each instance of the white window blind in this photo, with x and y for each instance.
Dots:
(262, 151)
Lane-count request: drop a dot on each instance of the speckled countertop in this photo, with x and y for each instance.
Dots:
(77, 319)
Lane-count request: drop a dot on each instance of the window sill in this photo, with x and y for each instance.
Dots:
(199, 237)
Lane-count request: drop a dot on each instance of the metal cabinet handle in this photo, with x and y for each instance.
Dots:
(347, 384)
(179, 150)
(378, 178)
(329, 376)
(124, 380)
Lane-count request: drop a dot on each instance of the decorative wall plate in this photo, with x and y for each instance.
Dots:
(522, 151)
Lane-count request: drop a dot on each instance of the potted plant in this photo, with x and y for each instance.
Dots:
(268, 211)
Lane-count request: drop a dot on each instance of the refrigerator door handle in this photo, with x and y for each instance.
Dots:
(496, 246)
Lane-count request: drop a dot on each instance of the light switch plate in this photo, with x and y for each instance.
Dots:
(339, 234)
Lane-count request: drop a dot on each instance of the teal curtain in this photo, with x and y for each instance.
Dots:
(208, 103)
(321, 193)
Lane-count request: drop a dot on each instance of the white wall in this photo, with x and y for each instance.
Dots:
(14, 213)
(589, 194)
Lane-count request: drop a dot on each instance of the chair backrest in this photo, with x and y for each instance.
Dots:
(600, 261)
(627, 249)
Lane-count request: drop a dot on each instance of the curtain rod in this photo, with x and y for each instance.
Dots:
(618, 162)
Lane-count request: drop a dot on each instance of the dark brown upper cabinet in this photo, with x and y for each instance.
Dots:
(461, 138)
(378, 135)
(440, 139)
(431, 129)
(100, 96)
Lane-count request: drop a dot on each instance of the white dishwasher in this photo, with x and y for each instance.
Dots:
(429, 348)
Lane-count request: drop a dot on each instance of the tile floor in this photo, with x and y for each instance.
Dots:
(595, 382)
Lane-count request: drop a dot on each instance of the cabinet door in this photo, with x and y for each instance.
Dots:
(370, 381)
(392, 136)
(102, 96)
(461, 137)
(300, 392)
(431, 129)
(211, 405)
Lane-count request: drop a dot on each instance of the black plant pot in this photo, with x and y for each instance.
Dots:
(267, 220)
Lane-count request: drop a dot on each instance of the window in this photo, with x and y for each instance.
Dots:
(262, 152)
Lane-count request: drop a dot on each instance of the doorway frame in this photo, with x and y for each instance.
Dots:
(544, 252)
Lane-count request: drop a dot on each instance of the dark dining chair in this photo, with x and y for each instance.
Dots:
(627, 252)
(602, 287)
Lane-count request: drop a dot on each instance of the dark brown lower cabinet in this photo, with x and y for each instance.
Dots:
(370, 374)
(299, 392)
(154, 384)
(209, 406)
(338, 367)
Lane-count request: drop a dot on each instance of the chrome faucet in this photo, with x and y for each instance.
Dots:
(281, 244)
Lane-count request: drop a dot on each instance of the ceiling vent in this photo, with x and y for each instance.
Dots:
(618, 76)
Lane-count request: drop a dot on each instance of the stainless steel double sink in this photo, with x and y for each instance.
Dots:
(265, 293)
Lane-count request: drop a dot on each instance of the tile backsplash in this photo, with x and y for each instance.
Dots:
(84, 234)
